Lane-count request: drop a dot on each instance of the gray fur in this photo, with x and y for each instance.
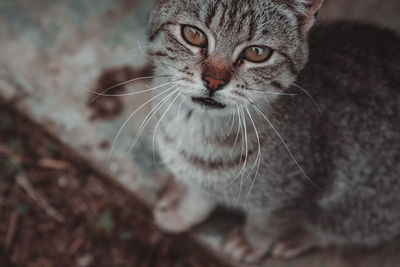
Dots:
(338, 179)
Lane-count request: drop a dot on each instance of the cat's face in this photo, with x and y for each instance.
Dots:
(226, 53)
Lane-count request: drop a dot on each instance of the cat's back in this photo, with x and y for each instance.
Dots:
(354, 75)
(353, 57)
(354, 71)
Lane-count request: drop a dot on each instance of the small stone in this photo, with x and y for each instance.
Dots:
(62, 182)
(85, 260)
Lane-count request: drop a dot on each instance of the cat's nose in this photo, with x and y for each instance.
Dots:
(213, 85)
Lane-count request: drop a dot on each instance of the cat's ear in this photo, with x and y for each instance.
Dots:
(309, 10)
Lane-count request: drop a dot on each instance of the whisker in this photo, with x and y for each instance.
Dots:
(242, 134)
(241, 130)
(232, 117)
(246, 150)
(147, 119)
(135, 41)
(237, 134)
(179, 111)
(130, 117)
(127, 82)
(152, 58)
(229, 120)
(257, 162)
(260, 82)
(310, 96)
(134, 93)
(119, 56)
(273, 93)
(158, 124)
(286, 146)
(140, 48)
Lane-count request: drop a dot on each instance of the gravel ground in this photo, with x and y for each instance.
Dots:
(57, 212)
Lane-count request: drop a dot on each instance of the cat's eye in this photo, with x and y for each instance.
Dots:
(194, 36)
(257, 54)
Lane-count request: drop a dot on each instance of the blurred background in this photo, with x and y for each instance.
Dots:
(71, 193)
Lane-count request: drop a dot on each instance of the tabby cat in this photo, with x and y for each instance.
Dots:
(297, 126)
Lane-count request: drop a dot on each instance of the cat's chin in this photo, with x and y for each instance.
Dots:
(208, 103)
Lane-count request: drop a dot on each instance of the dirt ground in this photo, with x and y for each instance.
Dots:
(54, 211)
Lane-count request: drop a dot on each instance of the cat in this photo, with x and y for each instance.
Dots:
(295, 125)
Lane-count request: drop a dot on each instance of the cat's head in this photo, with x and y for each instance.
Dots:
(229, 53)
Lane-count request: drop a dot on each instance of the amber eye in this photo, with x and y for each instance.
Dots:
(257, 53)
(194, 36)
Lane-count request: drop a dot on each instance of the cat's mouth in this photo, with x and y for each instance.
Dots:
(208, 102)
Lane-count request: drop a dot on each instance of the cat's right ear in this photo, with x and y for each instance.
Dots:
(308, 13)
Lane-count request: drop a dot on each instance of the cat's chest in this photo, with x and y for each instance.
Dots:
(195, 137)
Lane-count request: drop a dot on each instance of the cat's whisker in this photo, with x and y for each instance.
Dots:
(285, 145)
(263, 82)
(242, 136)
(149, 89)
(158, 124)
(246, 135)
(240, 130)
(257, 161)
(237, 134)
(158, 61)
(268, 101)
(310, 96)
(232, 117)
(165, 64)
(127, 82)
(118, 57)
(288, 94)
(135, 41)
(258, 141)
(243, 169)
(273, 93)
(147, 119)
(179, 111)
(229, 120)
(246, 147)
(131, 116)
(141, 48)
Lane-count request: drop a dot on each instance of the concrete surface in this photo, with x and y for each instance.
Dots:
(52, 52)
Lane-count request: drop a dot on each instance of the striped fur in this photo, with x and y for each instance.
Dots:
(311, 165)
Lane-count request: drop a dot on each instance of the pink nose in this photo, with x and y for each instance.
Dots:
(213, 84)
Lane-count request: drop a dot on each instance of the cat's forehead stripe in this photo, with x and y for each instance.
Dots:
(236, 22)
(210, 14)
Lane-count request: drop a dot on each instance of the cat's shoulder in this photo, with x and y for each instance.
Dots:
(357, 38)
(353, 60)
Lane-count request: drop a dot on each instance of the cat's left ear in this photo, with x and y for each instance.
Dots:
(309, 13)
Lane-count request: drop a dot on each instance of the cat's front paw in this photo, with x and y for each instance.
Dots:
(293, 246)
(180, 209)
(168, 218)
(239, 248)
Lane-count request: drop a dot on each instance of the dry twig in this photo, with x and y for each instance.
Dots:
(39, 199)
(54, 164)
(12, 229)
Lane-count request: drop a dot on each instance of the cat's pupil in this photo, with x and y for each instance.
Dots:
(193, 36)
(196, 35)
(257, 50)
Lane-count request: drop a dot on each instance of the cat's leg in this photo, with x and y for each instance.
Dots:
(351, 221)
(180, 208)
(262, 235)
(294, 244)
(253, 241)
